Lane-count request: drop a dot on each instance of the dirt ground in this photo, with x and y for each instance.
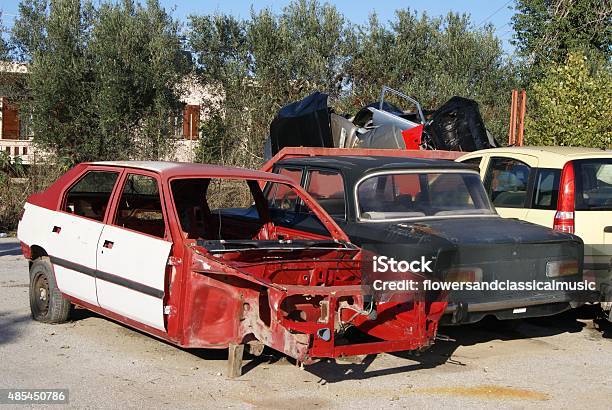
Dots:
(558, 362)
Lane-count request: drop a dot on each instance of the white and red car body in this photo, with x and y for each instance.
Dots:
(178, 291)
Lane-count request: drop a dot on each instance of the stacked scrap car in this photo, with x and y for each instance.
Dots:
(455, 126)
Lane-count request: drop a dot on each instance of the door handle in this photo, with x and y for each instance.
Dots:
(608, 229)
(108, 244)
(56, 229)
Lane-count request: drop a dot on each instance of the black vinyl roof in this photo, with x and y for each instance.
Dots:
(365, 164)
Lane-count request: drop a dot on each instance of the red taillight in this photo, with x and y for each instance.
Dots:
(564, 218)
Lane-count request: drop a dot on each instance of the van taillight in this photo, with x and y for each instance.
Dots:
(564, 217)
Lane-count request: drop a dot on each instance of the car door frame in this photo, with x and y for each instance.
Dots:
(305, 170)
(306, 180)
(168, 237)
(529, 160)
(87, 271)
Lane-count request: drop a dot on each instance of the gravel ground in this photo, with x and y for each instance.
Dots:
(558, 362)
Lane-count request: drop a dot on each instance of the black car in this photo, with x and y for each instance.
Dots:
(439, 209)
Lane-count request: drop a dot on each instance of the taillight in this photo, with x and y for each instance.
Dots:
(562, 268)
(564, 217)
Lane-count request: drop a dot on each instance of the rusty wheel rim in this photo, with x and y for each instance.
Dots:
(41, 294)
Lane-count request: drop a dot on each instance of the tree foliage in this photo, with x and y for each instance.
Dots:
(548, 30)
(105, 78)
(572, 105)
(261, 64)
(432, 59)
(104, 81)
(566, 48)
(4, 46)
(269, 60)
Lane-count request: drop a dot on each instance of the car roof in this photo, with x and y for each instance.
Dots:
(548, 157)
(188, 169)
(365, 164)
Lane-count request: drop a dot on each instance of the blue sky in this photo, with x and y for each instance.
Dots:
(496, 12)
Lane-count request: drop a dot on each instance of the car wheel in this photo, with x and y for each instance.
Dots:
(46, 301)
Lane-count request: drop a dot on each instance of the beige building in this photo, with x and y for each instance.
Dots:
(16, 137)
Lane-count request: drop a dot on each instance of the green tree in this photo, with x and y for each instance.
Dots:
(219, 44)
(547, 30)
(269, 60)
(60, 78)
(432, 59)
(572, 105)
(261, 64)
(138, 65)
(104, 81)
(4, 47)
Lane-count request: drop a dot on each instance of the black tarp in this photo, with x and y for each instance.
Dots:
(304, 123)
(458, 126)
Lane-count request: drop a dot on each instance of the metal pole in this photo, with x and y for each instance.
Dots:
(511, 130)
(521, 117)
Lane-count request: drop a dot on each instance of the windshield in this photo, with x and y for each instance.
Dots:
(594, 184)
(404, 195)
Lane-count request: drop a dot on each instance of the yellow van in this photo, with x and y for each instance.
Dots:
(568, 189)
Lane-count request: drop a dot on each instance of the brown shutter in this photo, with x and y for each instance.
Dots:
(195, 124)
(186, 121)
(191, 121)
(10, 121)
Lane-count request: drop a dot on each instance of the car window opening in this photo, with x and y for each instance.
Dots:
(89, 196)
(594, 184)
(140, 206)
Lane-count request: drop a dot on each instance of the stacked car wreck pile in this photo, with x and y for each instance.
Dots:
(455, 126)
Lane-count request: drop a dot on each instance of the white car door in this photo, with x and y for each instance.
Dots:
(70, 235)
(132, 254)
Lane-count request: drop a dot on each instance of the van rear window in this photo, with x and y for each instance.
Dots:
(593, 184)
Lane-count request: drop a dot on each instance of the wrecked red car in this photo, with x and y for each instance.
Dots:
(195, 255)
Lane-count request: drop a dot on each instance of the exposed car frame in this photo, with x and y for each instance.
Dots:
(216, 297)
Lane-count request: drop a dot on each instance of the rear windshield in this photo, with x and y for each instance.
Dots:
(593, 184)
(422, 194)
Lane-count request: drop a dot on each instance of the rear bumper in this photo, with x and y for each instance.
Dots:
(601, 274)
(531, 306)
